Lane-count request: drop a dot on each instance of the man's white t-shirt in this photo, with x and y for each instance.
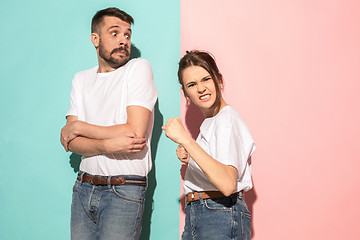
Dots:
(101, 99)
(226, 138)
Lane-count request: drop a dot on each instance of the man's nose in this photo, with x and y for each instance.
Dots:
(122, 40)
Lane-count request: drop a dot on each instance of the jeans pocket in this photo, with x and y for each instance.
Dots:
(77, 183)
(219, 204)
(245, 219)
(243, 208)
(129, 192)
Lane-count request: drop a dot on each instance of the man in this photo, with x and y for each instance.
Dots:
(109, 123)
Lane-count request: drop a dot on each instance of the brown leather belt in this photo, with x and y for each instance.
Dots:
(100, 180)
(194, 196)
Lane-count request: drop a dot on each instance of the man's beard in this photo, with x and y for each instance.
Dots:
(114, 62)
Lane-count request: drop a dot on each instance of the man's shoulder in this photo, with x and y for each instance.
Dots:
(86, 73)
(136, 62)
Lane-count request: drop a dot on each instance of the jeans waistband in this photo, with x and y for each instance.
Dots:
(194, 196)
(112, 180)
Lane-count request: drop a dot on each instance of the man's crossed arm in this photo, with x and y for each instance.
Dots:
(90, 140)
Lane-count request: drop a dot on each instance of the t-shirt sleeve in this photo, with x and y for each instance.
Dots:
(232, 147)
(141, 88)
(73, 106)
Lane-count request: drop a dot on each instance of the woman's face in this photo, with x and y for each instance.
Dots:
(200, 89)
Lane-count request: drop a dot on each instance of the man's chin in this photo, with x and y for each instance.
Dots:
(119, 61)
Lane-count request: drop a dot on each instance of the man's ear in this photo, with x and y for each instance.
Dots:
(95, 39)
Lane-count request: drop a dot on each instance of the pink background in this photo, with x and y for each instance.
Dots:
(292, 69)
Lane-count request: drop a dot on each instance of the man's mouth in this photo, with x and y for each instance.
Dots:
(121, 50)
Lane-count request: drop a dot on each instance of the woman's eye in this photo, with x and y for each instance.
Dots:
(190, 85)
(207, 79)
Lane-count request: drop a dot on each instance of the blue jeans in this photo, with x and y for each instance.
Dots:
(107, 212)
(217, 218)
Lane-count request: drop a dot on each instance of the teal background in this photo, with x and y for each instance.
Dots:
(44, 43)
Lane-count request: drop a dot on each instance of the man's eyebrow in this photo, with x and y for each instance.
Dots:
(116, 26)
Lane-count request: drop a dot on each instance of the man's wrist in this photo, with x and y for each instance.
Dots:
(103, 146)
(78, 128)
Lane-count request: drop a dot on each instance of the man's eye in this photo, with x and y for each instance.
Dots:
(114, 34)
(127, 36)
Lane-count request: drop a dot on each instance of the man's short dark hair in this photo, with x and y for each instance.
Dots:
(111, 12)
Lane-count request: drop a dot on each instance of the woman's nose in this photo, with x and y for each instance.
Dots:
(200, 88)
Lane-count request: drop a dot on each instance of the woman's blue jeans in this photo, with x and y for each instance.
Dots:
(218, 218)
(106, 212)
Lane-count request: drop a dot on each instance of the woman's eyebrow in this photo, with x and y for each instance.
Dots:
(206, 77)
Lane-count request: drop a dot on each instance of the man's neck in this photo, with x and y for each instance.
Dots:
(105, 69)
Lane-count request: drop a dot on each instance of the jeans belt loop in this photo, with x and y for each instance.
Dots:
(81, 177)
(192, 198)
(200, 198)
(109, 182)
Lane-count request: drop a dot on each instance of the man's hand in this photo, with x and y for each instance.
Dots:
(68, 133)
(182, 154)
(125, 143)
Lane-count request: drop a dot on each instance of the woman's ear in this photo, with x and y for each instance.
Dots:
(183, 90)
(185, 95)
(95, 39)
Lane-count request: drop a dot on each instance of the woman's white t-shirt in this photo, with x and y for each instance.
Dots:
(226, 138)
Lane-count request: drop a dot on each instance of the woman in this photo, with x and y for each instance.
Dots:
(219, 170)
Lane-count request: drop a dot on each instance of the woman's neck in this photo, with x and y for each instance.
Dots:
(215, 109)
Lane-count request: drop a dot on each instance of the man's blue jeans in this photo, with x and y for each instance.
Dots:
(219, 218)
(107, 212)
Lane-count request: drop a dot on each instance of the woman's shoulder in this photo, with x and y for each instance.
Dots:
(227, 115)
(230, 117)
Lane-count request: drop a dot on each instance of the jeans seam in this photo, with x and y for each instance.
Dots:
(139, 219)
(123, 197)
(234, 223)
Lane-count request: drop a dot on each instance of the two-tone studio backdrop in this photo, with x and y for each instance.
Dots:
(291, 68)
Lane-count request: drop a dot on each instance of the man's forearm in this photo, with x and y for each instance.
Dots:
(100, 132)
(86, 146)
(137, 122)
(122, 143)
(89, 140)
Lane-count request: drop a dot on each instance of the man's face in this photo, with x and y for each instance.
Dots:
(114, 42)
